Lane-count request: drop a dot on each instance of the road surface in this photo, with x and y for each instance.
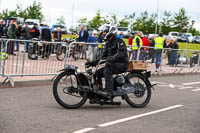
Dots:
(174, 108)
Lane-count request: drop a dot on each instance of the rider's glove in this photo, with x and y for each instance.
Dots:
(93, 63)
(87, 64)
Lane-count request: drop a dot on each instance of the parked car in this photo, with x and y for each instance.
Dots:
(126, 31)
(182, 37)
(31, 22)
(152, 35)
(90, 31)
(63, 28)
(189, 37)
(173, 35)
(196, 39)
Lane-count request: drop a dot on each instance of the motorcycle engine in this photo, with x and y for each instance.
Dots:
(120, 80)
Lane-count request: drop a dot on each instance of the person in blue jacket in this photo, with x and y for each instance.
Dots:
(92, 49)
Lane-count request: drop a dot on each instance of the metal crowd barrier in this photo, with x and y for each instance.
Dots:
(74, 53)
(21, 63)
(182, 62)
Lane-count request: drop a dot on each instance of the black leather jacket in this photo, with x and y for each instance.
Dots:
(117, 49)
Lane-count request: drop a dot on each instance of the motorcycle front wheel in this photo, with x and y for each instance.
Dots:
(142, 95)
(67, 91)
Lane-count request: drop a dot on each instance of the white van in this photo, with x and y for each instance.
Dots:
(173, 35)
(126, 31)
(31, 22)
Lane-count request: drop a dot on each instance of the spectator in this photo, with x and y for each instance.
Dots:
(45, 33)
(26, 35)
(145, 41)
(137, 43)
(120, 36)
(1, 28)
(83, 37)
(151, 49)
(92, 49)
(46, 36)
(168, 45)
(130, 41)
(159, 45)
(145, 45)
(18, 35)
(174, 53)
(35, 32)
(11, 35)
(101, 37)
(57, 34)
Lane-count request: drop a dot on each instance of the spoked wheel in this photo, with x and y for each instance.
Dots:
(77, 52)
(141, 97)
(67, 91)
(61, 53)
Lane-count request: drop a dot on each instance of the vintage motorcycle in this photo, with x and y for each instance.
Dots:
(194, 60)
(72, 88)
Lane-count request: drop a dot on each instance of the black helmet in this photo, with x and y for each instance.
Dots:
(108, 30)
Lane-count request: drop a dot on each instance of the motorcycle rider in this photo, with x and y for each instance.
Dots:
(116, 57)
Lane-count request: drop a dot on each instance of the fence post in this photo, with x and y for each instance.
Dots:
(138, 53)
(67, 52)
(161, 60)
(198, 63)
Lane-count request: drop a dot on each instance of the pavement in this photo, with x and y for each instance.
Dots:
(31, 108)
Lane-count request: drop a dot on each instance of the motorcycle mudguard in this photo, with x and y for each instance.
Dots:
(146, 76)
(82, 79)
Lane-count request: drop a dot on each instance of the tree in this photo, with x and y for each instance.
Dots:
(181, 20)
(33, 11)
(113, 18)
(82, 21)
(61, 20)
(124, 22)
(131, 21)
(166, 22)
(97, 21)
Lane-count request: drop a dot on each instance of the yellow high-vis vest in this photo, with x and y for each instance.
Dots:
(134, 43)
(4, 56)
(159, 42)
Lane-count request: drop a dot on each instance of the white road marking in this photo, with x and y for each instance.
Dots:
(156, 82)
(192, 83)
(139, 116)
(195, 90)
(171, 85)
(128, 119)
(84, 130)
(163, 85)
(184, 88)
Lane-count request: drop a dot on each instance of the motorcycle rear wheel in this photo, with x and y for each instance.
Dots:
(143, 89)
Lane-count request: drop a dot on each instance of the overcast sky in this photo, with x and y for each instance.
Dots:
(52, 9)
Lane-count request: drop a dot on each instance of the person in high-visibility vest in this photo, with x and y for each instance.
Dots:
(159, 44)
(136, 44)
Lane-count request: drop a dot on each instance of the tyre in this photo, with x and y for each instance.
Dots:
(77, 52)
(61, 53)
(67, 92)
(141, 97)
(32, 55)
